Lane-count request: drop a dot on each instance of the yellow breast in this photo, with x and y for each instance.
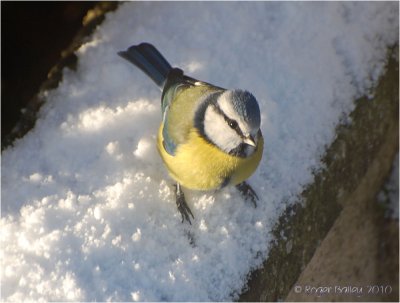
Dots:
(201, 166)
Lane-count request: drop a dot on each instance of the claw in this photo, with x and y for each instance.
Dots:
(248, 192)
(181, 204)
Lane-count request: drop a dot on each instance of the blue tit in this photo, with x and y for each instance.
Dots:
(209, 137)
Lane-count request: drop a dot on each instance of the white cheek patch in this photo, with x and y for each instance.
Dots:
(218, 131)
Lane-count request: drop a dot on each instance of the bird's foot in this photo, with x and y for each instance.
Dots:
(248, 192)
(182, 205)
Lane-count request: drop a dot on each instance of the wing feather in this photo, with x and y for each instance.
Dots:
(181, 97)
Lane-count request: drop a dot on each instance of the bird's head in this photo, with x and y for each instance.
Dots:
(232, 122)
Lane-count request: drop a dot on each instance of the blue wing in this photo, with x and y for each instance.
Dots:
(175, 84)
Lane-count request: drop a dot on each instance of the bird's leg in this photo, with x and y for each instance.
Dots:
(181, 204)
(247, 192)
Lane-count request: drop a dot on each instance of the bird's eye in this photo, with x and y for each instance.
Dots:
(232, 124)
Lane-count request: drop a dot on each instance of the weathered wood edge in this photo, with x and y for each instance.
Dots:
(302, 227)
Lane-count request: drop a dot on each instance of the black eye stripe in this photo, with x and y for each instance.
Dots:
(232, 123)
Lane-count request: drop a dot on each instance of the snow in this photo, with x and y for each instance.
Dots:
(88, 209)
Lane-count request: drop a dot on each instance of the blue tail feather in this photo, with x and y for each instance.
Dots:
(146, 57)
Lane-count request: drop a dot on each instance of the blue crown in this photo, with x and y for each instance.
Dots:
(247, 106)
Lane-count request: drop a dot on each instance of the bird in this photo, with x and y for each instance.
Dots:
(209, 137)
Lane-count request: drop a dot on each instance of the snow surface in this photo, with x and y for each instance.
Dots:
(88, 209)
